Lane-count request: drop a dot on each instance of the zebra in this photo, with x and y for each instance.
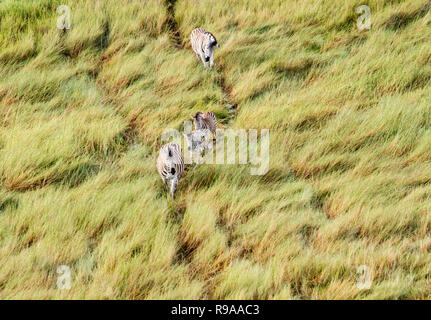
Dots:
(205, 120)
(198, 142)
(170, 165)
(203, 43)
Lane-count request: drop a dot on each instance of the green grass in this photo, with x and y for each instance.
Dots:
(349, 184)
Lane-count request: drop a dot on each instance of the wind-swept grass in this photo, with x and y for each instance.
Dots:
(82, 113)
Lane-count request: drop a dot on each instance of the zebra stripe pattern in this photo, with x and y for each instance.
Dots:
(198, 141)
(170, 165)
(205, 121)
(203, 43)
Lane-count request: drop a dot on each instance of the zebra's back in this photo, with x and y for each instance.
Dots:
(198, 33)
(210, 121)
(197, 38)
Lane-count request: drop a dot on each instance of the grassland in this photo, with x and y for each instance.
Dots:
(349, 184)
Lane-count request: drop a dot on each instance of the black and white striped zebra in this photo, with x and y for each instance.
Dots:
(205, 121)
(198, 141)
(203, 43)
(170, 165)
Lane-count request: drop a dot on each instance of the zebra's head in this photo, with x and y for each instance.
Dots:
(208, 48)
(197, 116)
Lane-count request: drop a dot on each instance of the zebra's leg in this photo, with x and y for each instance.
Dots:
(199, 155)
(204, 62)
(212, 60)
(165, 181)
(174, 186)
(209, 145)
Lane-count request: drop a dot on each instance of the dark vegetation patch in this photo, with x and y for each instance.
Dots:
(260, 29)
(8, 203)
(222, 83)
(39, 93)
(360, 143)
(339, 166)
(3, 283)
(314, 46)
(307, 232)
(26, 238)
(419, 182)
(171, 24)
(297, 289)
(161, 189)
(175, 211)
(303, 171)
(72, 177)
(418, 81)
(232, 25)
(245, 253)
(129, 137)
(79, 174)
(319, 198)
(276, 175)
(349, 21)
(186, 246)
(357, 40)
(136, 251)
(261, 92)
(224, 226)
(9, 57)
(186, 249)
(224, 117)
(313, 122)
(102, 40)
(294, 70)
(351, 234)
(97, 233)
(401, 20)
(201, 179)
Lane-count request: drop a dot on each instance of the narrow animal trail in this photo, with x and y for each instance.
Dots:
(186, 251)
(172, 23)
(176, 38)
(231, 107)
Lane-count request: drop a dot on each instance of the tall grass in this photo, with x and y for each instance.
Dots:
(82, 113)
